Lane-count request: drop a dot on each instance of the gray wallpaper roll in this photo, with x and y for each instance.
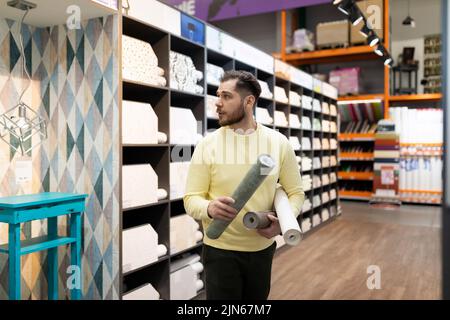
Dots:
(253, 179)
(257, 220)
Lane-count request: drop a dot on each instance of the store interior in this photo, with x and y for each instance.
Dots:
(118, 93)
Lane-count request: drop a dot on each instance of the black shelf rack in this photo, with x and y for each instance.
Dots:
(162, 98)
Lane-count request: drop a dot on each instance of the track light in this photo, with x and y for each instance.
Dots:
(388, 61)
(380, 50)
(372, 39)
(344, 5)
(355, 15)
(365, 30)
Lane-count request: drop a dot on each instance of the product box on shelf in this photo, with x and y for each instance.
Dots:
(346, 80)
(330, 34)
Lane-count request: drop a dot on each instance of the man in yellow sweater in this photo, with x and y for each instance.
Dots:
(238, 264)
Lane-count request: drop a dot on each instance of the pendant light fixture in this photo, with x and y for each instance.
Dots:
(408, 20)
(21, 124)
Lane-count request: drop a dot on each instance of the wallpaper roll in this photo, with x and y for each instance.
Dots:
(199, 285)
(294, 121)
(326, 126)
(316, 220)
(295, 143)
(140, 63)
(198, 267)
(183, 126)
(257, 220)
(307, 102)
(294, 98)
(280, 95)
(306, 123)
(198, 236)
(183, 284)
(184, 262)
(145, 292)
(253, 179)
(183, 232)
(325, 215)
(214, 74)
(333, 194)
(280, 119)
(325, 108)
(316, 144)
(288, 222)
(162, 137)
(139, 185)
(262, 115)
(306, 225)
(316, 201)
(162, 194)
(317, 126)
(316, 105)
(183, 74)
(211, 112)
(139, 123)
(306, 205)
(139, 247)
(162, 250)
(333, 110)
(306, 143)
(178, 178)
(265, 91)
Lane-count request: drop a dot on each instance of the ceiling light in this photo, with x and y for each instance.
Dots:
(345, 6)
(365, 30)
(372, 39)
(21, 123)
(388, 61)
(408, 20)
(355, 15)
(380, 50)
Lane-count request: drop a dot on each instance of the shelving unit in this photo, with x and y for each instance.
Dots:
(158, 155)
(158, 214)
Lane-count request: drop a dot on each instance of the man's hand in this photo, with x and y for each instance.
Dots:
(221, 209)
(272, 230)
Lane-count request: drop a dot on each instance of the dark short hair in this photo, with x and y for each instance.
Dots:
(246, 82)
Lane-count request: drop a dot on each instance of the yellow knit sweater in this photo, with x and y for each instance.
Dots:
(220, 162)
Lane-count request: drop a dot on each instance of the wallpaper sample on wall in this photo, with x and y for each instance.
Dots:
(75, 75)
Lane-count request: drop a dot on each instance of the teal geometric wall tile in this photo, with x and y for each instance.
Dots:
(98, 187)
(80, 142)
(70, 55)
(70, 143)
(80, 53)
(14, 53)
(28, 59)
(99, 97)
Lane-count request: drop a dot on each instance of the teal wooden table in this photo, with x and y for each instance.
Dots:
(49, 205)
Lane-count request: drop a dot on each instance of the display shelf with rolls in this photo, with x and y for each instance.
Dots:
(358, 125)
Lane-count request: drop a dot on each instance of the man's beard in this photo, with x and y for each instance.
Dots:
(235, 117)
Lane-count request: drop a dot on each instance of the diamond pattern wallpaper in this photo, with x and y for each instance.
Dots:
(75, 87)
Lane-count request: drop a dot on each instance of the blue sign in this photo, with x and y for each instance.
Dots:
(192, 29)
